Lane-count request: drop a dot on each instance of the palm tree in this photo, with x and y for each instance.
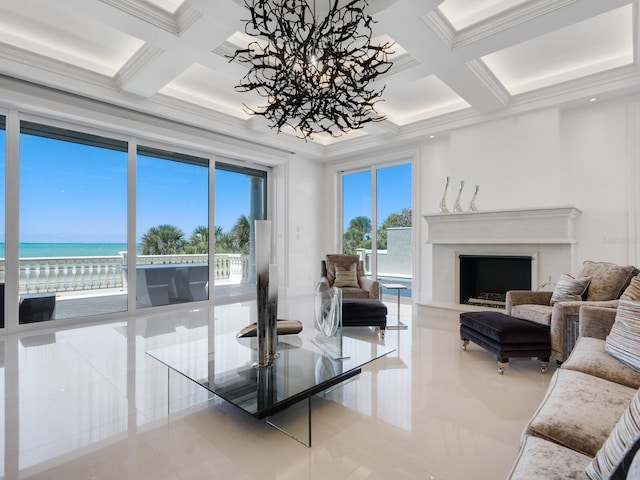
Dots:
(199, 240)
(241, 235)
(223, 241)
(358, 235)
(163, 240)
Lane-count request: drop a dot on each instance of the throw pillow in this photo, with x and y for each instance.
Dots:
(608, 280)
(616, 454)
(336, 259)
(346, 277)
(569, 289)
(623, 341)
(633, 290)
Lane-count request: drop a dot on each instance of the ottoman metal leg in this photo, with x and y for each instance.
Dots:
(464, 344)
(544, 364)
(502, 364)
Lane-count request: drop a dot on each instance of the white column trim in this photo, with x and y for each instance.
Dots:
(12, 222)
(633, 179)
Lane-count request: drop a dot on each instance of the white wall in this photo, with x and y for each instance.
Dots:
(576, 156)
(595, 178)
(547, 158)
(305, 211)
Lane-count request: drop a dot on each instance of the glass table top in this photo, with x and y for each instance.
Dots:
(300, 371)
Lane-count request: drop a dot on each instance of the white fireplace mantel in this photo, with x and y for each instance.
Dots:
(546, 234)
(546, 225)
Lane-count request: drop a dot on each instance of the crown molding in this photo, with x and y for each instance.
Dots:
(175, 24)
(24, 60)
(441, 27)
(489, 80)
(144, 57)
(455, 39)
(511, 17)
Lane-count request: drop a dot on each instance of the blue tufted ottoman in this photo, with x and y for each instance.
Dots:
(362, 312)
(506, 337)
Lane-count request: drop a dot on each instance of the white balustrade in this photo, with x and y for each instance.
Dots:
(62, 274)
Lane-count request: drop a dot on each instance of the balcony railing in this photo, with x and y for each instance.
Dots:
(67, 274)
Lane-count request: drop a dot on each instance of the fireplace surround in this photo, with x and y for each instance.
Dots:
(546, 235)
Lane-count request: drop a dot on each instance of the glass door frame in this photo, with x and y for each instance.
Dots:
(373, 168)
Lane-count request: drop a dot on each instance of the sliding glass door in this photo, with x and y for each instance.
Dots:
(72, 252)
(380, 196)
(240, 199)
(356, 215)
(394, 227)
(172, 261)
(73, 223)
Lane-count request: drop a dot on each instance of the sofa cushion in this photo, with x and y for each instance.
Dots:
(632, 292)
(535, 313)
(623, 341)
(616, 455)
(589, 356)
(569, 289)
(352, 292)
(542, 460)
(579, 410)
(608, 280)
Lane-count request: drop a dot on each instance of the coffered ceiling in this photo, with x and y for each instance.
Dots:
(456, 61)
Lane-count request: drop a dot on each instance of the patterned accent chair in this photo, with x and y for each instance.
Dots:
(347, 273)
(608, 282)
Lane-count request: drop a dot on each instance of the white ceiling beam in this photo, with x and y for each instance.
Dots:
(425, 46)
(509, 28)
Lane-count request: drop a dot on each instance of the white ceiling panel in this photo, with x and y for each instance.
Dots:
(203, 86)
(588, 47)
(464, 13)
(168, 5)
(172, 52)
(89, 44)
(419, 100)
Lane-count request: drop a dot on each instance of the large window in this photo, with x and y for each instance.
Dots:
(393, 228)
(73, 223)
(356, 215)
(381, 197)
(172, 228)
(240, 199)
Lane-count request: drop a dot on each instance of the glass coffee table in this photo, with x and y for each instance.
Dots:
(280, 394)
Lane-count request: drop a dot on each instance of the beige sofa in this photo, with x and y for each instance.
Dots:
(608, 281)
(585, 400)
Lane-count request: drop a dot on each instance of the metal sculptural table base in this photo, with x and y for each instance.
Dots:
(275, 394)
(398, 287)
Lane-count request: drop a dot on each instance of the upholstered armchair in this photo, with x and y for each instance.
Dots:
(347, 273)
(606, 284)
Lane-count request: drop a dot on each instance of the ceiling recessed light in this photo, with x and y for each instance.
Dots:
(594, 99)
(432, 136)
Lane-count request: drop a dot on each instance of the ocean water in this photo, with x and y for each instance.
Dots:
(32, 250)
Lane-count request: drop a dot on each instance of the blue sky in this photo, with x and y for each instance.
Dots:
(77, 193)
(393, 193)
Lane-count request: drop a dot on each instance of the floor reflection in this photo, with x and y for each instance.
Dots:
(88, 403)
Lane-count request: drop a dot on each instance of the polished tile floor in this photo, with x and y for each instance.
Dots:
(88, 403)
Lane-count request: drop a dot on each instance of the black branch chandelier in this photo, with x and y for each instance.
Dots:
(314, 73)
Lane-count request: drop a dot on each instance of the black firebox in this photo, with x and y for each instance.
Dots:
(485, 279)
